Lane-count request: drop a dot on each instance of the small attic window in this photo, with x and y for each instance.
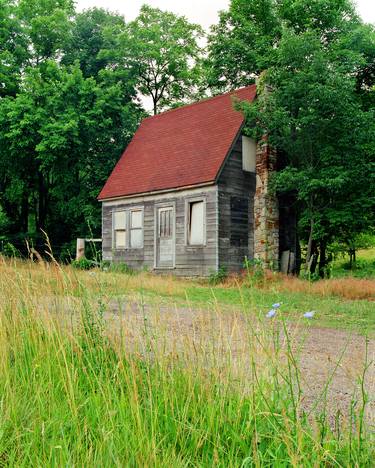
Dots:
(249, 151)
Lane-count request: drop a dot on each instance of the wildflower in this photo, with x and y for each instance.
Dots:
(309, 315)
(276, 306)
(271, 313)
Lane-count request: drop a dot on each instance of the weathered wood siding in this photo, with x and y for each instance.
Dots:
(236, 189)
(189, 260)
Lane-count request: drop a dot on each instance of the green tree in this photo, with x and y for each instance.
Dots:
(317, 68)
(64, 122)
(163, 50)
(92, 31)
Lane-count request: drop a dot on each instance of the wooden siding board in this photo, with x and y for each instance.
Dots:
(189, 261)
(235, 183)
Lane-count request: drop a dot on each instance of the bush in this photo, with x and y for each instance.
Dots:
(120, 267)
(84, 264)
(9, 250)
(219, 276)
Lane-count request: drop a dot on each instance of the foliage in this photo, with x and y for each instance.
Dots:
(219, 276)
(75, 393)
(162, 49)
(117, 267)
(315, 65)
(83, 264)
(69, 105)
(255, 270)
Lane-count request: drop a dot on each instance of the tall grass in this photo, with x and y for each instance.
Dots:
(75, 392)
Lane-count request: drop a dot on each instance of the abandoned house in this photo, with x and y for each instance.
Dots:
(190, 195)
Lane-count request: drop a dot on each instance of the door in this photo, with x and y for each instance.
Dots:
(165, 248)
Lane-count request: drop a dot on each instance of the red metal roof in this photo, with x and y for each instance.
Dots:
(179, 148)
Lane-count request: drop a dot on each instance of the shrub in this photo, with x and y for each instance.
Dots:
(83, 264)
(219, 276)
(117, 267)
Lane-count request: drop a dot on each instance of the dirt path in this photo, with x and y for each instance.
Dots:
(226, 336)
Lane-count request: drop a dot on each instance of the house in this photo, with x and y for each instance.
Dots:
(190, 194)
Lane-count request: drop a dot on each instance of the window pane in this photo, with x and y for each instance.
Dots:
(119, 219)
(136, 219)
(136, 238)
(120, 239)
(196, 232)
(249, 151)
(165, 223)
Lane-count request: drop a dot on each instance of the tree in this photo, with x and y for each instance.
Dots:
(315, 113)
(62, 131)
(162, 49)
(89, 38)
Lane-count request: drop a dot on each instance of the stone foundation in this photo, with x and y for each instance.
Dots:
(266, 209)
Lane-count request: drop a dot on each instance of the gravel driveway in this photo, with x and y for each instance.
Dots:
(226, 335)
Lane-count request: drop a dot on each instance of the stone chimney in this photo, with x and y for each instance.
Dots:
(266, 209)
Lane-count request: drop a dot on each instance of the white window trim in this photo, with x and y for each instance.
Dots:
(127, 228)
(188, 201)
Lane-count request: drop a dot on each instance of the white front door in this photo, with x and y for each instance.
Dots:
(164, 250)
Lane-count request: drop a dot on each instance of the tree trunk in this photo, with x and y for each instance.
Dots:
(352, 257)
(42, 204)
(309, 247)
(314, 257)
(24, 218)
(322, 258)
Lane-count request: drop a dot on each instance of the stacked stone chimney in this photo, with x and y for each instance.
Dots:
(266, 209)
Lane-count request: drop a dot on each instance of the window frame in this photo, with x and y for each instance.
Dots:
(141, 228)
(188, 202)
(128, 228)
(253, 163)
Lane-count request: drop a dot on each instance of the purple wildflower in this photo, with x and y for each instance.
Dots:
(271, 313)
(309, 315)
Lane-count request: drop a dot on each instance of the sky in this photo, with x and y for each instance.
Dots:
(203, 12)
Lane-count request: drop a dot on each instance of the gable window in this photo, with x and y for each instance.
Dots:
(128, 229)
(196, 222)
(249, 153)
(119, 229)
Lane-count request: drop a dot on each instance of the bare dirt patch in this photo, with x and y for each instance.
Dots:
(230, 338)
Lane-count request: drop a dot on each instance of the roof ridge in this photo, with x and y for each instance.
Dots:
(202, 101)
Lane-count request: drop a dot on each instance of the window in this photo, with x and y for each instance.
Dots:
(165, 223)
(136, 234)
(195, 223)
(128, 229)
(249, 151)
(119, 229)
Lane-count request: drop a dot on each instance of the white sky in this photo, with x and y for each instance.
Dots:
(204, 12)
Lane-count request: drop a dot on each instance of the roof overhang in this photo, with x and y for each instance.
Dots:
(158, 192)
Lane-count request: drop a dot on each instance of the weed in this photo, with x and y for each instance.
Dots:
(78, 391)
(83, 264)
(219, 276)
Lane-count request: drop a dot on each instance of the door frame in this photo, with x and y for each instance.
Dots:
(166, 204)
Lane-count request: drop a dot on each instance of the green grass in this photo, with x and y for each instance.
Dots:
(74, 394)
(364, 267)
(80, 401)
(330, 311)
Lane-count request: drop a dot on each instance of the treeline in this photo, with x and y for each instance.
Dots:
(69, 103)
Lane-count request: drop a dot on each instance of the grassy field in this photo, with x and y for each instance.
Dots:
(365, 265)
(75, 393)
